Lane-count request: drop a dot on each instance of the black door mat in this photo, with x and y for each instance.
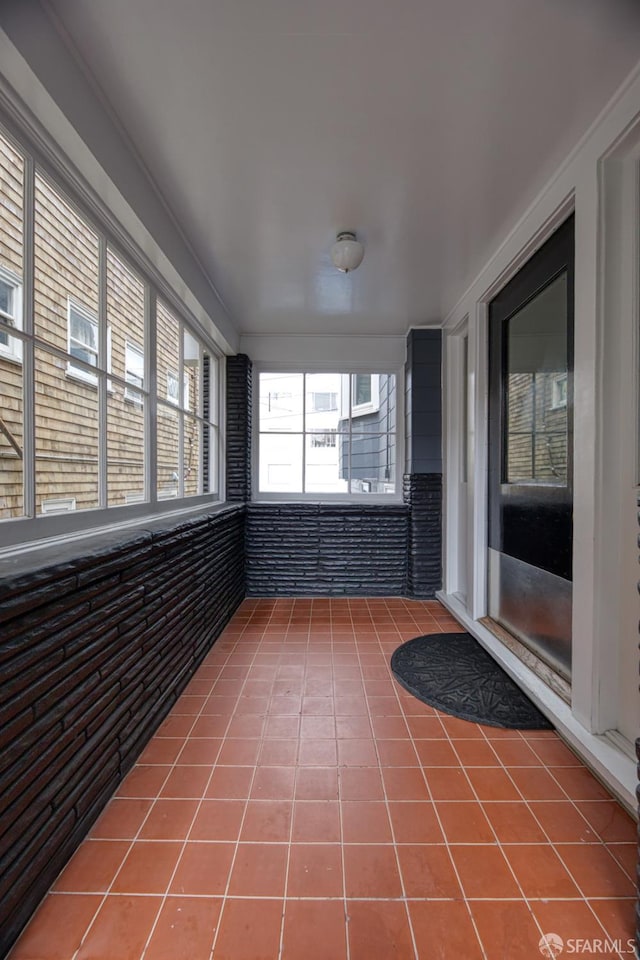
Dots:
(452, 672)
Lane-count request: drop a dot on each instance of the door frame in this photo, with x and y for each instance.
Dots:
(457, 513)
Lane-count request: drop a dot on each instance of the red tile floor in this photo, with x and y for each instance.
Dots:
(298, 804)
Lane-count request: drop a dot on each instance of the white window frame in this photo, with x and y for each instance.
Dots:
(12, 350)
(20, 534)
(74, 369)
(345, 401)
(133, 396)
(324, 393)
(55, 505)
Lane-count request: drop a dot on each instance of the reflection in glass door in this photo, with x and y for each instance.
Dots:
(530, 453)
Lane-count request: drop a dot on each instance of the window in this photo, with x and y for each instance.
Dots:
(133, 371)
(364, 393)
(318, 441)
(324, 402)
(188, 430)
(10, 314)
(361, 389)
(173, 393)
(60, 505)
(559, 391)
(83, 342)
(79, 421)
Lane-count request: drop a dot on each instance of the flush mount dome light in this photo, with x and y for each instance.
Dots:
(347, 252)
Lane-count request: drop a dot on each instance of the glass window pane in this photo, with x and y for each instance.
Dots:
(324, 401)
(83, 330)
(380, 411)
(6, 299)
(536, 378)
(66, 438)
(333, 430)
(361, 389)
(11, 226)
(168, 458)
(11, 433)
(281, 463)
(192, 373)
(325, 469)
(66, 271)
(125, 319)
(280, 406)
(167, 354)
(133, 369)
(373, 463)
(125, 446)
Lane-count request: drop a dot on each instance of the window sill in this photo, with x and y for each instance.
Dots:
(66, 552)
(331, 501)
(87, 381)
(11, 358)
(38, 536)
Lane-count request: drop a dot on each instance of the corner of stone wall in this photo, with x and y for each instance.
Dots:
(422, 493)
(238, 435)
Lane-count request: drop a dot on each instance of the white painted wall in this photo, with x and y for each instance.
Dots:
(605, 675)
(377, 354)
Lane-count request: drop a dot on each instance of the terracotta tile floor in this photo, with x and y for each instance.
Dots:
(298, 804)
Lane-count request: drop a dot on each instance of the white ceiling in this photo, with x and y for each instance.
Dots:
(427, 126)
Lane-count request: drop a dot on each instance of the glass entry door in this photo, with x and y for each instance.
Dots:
(530, 452)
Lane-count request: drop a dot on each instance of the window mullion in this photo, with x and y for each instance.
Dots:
(351, 386)
(151, 405)
(103, 366)
(218, 369)
(28, 359)
(181, 409)
(304, 433)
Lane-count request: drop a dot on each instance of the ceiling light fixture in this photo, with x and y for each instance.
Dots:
(347, 252)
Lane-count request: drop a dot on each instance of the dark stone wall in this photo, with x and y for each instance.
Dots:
(638, 799)
(423, 477)
(314, 549)
(423, 496)
(238, 436)
(95, 647)
(423, 401)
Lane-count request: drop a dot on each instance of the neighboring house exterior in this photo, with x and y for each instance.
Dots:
(373, 450)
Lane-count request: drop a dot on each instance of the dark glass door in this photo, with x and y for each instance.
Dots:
(531, 452)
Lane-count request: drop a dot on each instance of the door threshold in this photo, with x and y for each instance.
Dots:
(611, 764)
(558, 684)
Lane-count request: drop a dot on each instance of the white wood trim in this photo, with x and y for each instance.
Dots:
(104, 360)
(151, 409)
(614, 690)
(452, 467)
(28, 351)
